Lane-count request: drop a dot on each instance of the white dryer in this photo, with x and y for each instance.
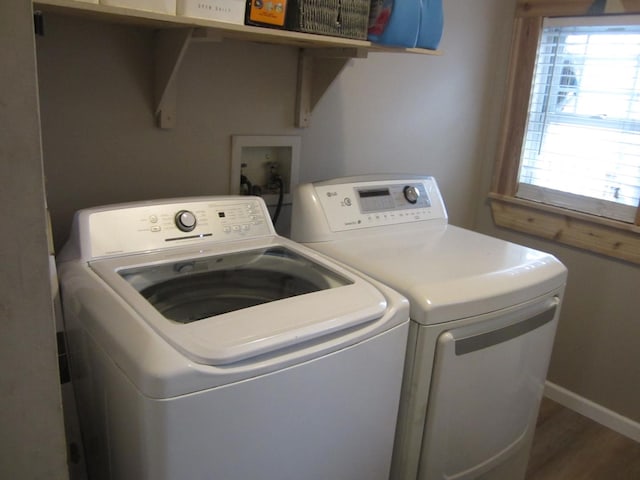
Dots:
(483, 319)
(204, 346)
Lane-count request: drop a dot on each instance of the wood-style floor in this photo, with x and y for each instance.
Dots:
(569, 446)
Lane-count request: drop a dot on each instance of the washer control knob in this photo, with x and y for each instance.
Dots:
(185, 220)
(411, 194)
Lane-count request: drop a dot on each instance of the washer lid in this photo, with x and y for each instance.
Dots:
(450, 273)
(222, 308)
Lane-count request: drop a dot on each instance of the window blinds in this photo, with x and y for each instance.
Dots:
(582, 144)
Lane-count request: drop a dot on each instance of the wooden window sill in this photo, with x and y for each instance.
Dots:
(589, 232)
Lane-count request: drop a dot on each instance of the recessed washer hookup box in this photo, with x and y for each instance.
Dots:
(230, 11)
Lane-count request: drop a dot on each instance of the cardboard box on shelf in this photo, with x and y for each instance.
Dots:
(230, 11)
(159, 6)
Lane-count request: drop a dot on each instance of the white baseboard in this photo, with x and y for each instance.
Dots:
(595, 412)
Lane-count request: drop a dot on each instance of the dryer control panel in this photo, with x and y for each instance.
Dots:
(147, 226)
(361, 204)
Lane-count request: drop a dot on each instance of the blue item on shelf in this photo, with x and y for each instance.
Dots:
(395, 23)
(406, 23)
(431, 24)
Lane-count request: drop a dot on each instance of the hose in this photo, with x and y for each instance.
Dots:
(276, 214)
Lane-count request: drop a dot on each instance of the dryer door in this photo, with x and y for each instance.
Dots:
(487, 383)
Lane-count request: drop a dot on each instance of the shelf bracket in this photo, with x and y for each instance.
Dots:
(170, 47)
(317, 69)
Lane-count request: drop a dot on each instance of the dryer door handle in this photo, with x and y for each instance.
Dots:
(494, 337)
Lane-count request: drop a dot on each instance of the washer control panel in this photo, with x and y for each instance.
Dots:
(350, 206)
(132, 228)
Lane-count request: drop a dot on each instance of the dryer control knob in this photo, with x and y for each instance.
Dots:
(411, 194)
(185, 220)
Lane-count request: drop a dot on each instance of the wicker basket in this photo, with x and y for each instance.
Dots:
(340, 18)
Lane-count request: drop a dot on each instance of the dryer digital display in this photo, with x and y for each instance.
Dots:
(392, 197)
(375, 199)
(374, 193)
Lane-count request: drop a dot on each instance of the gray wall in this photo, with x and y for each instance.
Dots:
(31, 428)
(400, 112)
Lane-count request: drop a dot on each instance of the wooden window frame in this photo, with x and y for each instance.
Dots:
(589, 232)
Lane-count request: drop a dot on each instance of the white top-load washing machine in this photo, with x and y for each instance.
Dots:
(484, 314)
(204, 346)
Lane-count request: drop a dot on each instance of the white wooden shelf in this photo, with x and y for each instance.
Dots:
(321, 57)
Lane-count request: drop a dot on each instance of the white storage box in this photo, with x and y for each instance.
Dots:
(230, 11)
(159, 6)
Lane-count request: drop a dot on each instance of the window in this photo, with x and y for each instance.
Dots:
(569, 160)
(582, 142)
